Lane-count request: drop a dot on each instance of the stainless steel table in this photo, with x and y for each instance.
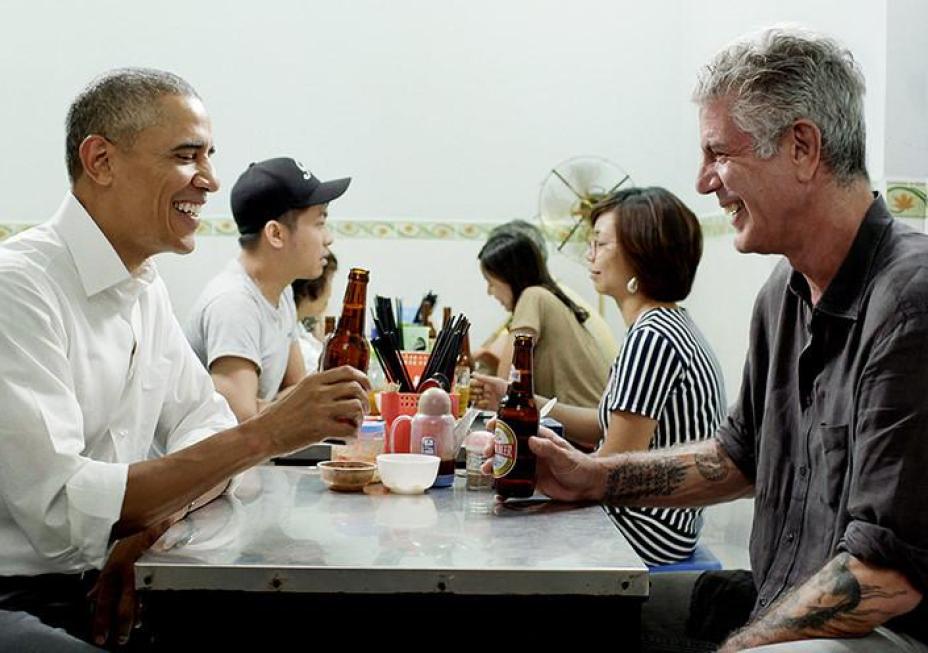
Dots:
(282, 533)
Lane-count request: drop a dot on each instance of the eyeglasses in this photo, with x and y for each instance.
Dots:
(594, 246)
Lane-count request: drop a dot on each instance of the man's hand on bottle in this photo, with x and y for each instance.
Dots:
(326, 404)
(562, 472)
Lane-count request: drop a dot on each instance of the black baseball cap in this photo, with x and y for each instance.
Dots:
(268, 189)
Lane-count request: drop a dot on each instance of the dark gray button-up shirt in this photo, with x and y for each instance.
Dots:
(831, 423)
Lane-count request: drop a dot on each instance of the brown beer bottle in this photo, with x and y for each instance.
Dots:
(464, 358)
(347, 344)
(516, 422)
(329, 324)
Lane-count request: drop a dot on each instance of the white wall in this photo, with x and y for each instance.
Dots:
(907, 90)
(439, 110)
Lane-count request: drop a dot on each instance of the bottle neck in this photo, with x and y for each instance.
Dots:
(520, 376)
(465, 359)
(353, 308)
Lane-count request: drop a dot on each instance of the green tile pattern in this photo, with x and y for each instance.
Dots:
(715, 225)
(907, 199)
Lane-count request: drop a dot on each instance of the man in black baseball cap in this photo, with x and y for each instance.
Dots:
(268, 189)
(244, 327)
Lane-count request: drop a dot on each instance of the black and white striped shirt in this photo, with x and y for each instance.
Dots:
(665, 371)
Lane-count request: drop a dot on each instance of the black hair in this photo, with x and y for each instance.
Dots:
(514, 258)
(660, 237)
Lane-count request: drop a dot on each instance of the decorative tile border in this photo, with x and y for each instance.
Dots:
(907, 199)
(715, 225)
(409, 229)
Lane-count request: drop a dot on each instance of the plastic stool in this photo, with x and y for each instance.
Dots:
(702, 560)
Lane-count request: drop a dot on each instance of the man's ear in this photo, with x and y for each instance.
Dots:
(96, 155)
(274, 232)
(805, 143)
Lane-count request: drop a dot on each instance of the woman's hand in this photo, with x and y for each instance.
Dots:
(486, 391)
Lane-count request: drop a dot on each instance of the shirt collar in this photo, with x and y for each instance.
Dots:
(97, 263)
(843, 296)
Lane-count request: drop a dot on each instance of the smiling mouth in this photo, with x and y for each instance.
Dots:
(733, 209)
(188, 208)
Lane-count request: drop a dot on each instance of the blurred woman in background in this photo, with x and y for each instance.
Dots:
(573, 345)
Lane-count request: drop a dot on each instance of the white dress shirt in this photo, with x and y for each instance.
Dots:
(95, 374)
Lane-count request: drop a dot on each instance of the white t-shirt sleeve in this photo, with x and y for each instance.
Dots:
(231, 325)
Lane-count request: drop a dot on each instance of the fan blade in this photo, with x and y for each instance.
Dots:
(567, 183)
(616, 187)
(569, 234)
(584, 176)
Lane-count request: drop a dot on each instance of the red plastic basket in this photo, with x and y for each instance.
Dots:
(415, 362)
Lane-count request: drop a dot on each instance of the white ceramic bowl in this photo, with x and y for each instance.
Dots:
(407, 473)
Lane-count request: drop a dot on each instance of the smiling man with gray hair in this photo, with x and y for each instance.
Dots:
(829, 430)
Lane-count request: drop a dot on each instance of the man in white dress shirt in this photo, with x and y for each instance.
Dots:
(96, 375)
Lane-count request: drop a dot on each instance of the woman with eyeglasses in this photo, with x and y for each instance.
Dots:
(665, 387)
(573, 344)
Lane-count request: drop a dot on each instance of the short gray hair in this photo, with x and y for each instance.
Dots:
(784, 74)
(118, 105)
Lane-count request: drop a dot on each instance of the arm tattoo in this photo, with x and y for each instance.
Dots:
(831, 604)
(838, 601)
(654, 478)
(712, 466)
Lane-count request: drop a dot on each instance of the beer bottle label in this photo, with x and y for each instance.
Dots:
(506, 448)
(428, 447)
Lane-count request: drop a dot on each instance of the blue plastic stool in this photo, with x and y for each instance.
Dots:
(702, 560)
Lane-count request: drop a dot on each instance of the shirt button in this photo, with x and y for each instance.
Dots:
(803, 470)
(790, 537)
(763, 602)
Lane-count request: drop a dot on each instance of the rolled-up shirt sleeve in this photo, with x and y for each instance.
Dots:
(64, 502)
(888, 523)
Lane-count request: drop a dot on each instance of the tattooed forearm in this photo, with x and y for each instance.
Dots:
(837, 593)
(845, 599)
(712, 465)
(837, 601)
(654, 478)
